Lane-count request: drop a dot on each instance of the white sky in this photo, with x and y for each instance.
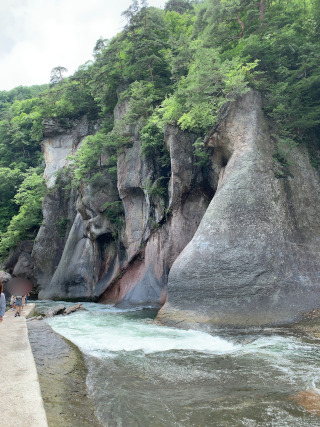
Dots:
(38, 35)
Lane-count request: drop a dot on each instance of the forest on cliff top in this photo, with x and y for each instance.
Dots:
(182, 65)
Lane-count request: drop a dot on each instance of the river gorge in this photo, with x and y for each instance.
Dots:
(171, 186)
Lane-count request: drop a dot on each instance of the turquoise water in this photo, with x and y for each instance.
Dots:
(141, 374)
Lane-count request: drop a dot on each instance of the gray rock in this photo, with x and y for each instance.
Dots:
(151, 252)
(255, 258)
(4, 276)
(59, 309)
(61, 141)
(73, 309)
(75, 275)
(58, 215)
(24, 266)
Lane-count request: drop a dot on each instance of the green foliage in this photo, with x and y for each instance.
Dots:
(62, 223)
(201, 153)
(88, 157)
(26, 222)
(156, 188)
(7, 98)
(57, 74)
(178, 6)
(114, 212)
(97, 153)
(9, 182)
(152, 142)
(142, 97)
(210, 84)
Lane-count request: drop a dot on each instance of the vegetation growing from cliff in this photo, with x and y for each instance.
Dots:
(24, 225)
(182, 65)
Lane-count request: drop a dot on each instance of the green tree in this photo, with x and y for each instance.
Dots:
(56, 75)
(179, 6)
(26, 223)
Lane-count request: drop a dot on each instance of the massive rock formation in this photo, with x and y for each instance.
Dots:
(255, 258)
(238, 238)
(80, 254)
(154, 236)
(59, 208)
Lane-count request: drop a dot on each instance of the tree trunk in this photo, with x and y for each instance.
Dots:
(150, 69)
(242, 27)
(261, 9)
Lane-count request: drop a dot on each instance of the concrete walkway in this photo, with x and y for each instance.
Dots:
(21, 403)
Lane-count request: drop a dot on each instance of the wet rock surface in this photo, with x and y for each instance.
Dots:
(63, 310)
(62, 375)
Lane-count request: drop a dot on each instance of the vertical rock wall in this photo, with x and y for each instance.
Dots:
(156, 230)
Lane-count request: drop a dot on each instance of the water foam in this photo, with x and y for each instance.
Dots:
(98, 334)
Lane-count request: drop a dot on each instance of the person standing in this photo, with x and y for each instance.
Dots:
(2, 302)
(18, 305)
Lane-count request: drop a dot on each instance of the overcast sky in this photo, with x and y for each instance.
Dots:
(38, 35)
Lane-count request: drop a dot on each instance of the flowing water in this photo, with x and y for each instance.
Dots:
(141, 374)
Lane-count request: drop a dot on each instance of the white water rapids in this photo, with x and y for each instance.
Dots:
(142, 374)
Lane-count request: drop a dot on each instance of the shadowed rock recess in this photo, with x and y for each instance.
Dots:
(238, 238)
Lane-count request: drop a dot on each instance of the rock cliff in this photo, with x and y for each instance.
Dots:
(79, 253)
(255, 257)
(238, 238)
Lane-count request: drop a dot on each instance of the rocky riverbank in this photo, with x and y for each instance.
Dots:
(62, 375)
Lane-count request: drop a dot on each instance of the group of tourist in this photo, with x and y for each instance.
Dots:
(17, 302)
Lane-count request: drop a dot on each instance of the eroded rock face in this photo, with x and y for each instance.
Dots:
(61, 141)
(4, 277)
(87, 251)
(59, 211)
(60, 218)
(129, 266)
(255, 258)
(153, 238)
(19, 263)
(75, 273)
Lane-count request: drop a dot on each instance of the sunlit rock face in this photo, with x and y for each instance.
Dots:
(60, 141)
(255, 258)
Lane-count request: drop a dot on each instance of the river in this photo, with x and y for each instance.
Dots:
(142, 374)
